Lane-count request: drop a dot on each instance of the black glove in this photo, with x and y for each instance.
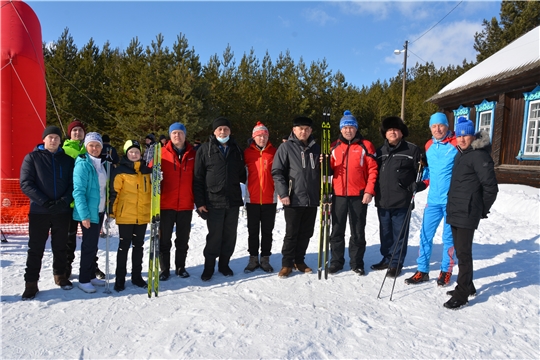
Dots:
(414, 187)
(484, 215)
(49, 204)
(202, 214)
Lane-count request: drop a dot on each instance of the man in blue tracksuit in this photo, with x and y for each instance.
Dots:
(440, 153)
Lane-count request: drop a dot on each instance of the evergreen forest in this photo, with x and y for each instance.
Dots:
(129, 93)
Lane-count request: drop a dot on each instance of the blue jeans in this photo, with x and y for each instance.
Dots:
(394, 235)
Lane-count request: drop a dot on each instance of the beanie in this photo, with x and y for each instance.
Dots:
(75, 123)
(464, 127)
(92, 137)
(163, 137)
(51, 130)
(152, 137)
(348, 120)
(438, 118)
(177, 126)
(106, 138)
(259, 129)
(393, 122)
(131, 144)
(221, 121)
(302, 121)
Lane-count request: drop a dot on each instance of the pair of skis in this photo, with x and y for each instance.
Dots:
(153, 264)
(326, 197)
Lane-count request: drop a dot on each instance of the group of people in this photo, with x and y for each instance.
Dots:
(67, 185)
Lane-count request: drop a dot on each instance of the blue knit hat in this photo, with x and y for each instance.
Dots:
(464, 127)
(348, 120)
(177, 126)
(438, 118)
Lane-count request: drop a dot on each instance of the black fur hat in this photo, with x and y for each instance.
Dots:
(393, 122)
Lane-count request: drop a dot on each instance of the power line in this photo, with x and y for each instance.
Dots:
(437, 22)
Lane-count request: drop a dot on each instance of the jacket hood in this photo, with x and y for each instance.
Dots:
(481, 141)
(41, 147)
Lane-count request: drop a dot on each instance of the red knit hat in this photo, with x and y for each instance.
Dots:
(259, 129)
(74, 124)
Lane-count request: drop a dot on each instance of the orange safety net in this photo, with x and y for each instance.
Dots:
(14, 208)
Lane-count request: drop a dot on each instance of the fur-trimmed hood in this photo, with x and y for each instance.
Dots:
(482, 140)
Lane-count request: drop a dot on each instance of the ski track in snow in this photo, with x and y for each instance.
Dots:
(259, 315)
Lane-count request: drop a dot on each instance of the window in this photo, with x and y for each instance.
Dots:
(532, 145)
(485, 121)
(485, 113)
(459, 112)
(530, 138)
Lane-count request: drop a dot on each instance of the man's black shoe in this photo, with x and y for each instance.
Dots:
(164, 275)
(207, 274)
(455, 304)
(393, 272)
(383, 265)
(226, 271)
(333, 269)
(360, 271)
(182, 272)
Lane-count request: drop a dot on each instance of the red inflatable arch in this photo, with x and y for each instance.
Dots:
(22, 80)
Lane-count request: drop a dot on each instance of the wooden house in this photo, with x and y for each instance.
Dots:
(502, 95)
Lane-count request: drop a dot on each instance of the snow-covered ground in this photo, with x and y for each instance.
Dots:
(259, 315)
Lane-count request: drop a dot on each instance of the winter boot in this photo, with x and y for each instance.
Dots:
(303, 268)
(30, 290)
(393, 272)
(417, 278)
(209, 265)
(63, 282)
(285, 272)
(68, 270)
(265, 264)
(444, 278)
(252, 265)
(455, 304)
(333, 269)
(223, 267)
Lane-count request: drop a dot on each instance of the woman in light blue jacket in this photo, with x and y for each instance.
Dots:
(89, 187)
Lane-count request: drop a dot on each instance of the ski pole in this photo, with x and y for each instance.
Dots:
(107, 276)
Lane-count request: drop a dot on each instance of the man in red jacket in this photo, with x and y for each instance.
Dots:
(261, 198)
(354, 174)
(177, 202)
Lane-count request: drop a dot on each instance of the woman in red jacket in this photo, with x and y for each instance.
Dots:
(260, 198)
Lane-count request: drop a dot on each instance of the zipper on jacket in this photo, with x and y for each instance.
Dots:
(311, 160)
(303, 160)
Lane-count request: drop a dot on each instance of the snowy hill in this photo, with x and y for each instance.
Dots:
(259, 315)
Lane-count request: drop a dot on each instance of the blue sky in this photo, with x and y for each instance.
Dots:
(358, 38)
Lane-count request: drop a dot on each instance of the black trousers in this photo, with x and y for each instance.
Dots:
(221, 239)
(71, 243)
(38, 230)
(299, 227)
(341, 207)
(130, 235)
(260, 217)
(182, 219)
(463, 240)
(89, 248)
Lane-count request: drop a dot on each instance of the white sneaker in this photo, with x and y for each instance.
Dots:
(87, 287)
(97, 282)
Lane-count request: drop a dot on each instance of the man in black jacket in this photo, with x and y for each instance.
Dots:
(398, 163)
(219, 170)
(296, 173)
(47, 179)
(473, 190)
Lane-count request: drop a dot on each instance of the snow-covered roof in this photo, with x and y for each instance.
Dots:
(521, 55)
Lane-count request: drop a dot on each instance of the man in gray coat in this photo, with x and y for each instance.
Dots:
(296, 173)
